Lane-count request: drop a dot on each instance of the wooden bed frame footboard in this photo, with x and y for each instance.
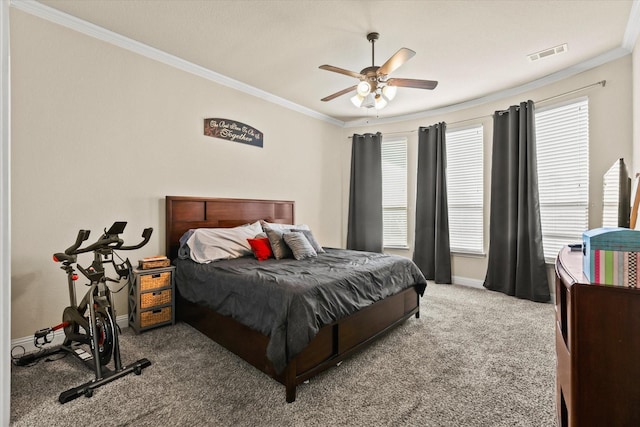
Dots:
(332, 344)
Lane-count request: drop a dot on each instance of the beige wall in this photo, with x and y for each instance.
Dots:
(101, 134)
(610, 128)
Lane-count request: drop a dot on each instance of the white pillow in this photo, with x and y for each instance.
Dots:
(283, 227)
(211, 244)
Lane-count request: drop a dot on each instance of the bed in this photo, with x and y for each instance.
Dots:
(326, 347)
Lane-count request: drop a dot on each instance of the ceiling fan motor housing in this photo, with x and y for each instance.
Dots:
(371, 77)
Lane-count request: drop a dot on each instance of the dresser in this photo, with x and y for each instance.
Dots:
(597, 349)
(152, 298)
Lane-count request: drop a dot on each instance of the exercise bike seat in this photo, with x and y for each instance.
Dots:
(61, 257)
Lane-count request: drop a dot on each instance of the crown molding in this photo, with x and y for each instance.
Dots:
(612, 55)
(631, 34)
(633, 27)
(53, 15)
(40, 10)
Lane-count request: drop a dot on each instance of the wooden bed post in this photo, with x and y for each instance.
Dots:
(290, 380)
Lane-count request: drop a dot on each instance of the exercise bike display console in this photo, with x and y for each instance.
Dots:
(90, 329)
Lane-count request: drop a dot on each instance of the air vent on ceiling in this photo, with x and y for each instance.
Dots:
(548, 52)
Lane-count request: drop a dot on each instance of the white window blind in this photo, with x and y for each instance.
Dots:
(394, 192)
(562, 135)
(465, 189)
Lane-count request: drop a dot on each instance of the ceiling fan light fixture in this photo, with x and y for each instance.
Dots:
(380, 102)
(363, 88)
(389, 92)
(369, 101)
(357, 100)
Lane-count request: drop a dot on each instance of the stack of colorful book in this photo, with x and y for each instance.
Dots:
(612, 256)
(614, 268)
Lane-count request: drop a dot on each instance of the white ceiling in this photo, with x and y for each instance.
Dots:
(473, 48)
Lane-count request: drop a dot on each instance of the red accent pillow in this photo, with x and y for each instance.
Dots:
(261, 248)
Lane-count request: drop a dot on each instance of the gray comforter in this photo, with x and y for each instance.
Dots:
(290, 300)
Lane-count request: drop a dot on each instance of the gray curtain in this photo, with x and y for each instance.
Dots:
(432, 253)
(364, 231)
(516, 263)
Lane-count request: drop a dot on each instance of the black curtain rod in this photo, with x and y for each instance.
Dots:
(551, 98)
(600, 83)
(571, 92)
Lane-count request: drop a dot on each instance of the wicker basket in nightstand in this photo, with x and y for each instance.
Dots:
(152, 298)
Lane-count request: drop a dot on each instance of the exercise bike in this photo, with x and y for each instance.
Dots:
(91, 322)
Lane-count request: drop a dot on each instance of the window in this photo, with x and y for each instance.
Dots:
(465, 190)
(394, 193)
(562, 135)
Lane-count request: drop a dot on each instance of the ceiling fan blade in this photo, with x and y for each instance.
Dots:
(341, 71)
(398, 58)
(415, 83)
(337, 94)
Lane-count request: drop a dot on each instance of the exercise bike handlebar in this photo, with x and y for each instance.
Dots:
(105, 241)
(82, 236)
(69, 254)
(109, 240)
(146, 235)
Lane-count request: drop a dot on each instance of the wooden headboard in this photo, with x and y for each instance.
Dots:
(184, 212)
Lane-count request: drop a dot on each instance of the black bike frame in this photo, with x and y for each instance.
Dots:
(98, 301)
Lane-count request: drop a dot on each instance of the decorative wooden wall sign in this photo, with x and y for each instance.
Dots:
(233, 131)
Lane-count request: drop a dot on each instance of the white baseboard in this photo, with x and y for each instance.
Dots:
(58, 338)
(466, 281)
(479, 284)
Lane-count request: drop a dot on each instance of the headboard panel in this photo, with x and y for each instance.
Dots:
(184, 213)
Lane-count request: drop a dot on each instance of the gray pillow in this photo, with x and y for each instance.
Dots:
(312, 240)
(278, 246)
(299, 245)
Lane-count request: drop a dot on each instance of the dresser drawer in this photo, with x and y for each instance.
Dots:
(155, 281)
(155, 317)
(152, 299)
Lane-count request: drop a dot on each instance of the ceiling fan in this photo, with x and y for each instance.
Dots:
(375, 88)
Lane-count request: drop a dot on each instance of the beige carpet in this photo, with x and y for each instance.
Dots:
(474, 358)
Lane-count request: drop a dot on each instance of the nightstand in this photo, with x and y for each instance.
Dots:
(152, 298)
